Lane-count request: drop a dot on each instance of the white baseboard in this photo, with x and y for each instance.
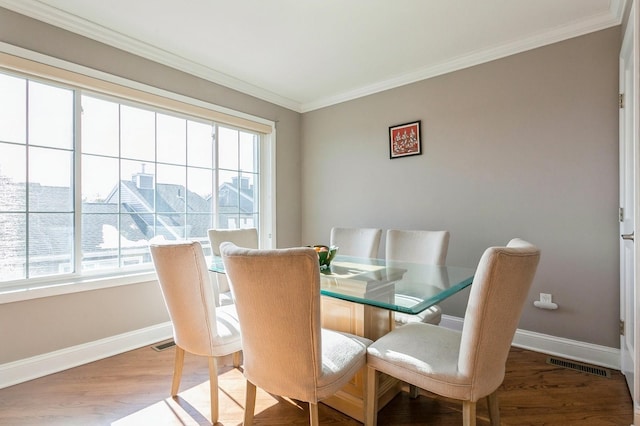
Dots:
(564, 348)
(38, 366)
(26, 369)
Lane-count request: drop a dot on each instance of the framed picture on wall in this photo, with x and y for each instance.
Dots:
(404, 140)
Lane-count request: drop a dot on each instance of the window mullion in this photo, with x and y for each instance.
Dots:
(27, 259)
(216, 177)
(77, 181)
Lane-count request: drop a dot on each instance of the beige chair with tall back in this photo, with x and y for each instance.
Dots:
(286, 352)
(426, 247)
(246, 237)
(356, 242)
(466, 365)
(198, 326)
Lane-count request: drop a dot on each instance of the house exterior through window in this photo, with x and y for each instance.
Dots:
(88, 180)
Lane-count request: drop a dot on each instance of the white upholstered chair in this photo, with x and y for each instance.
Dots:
(426, 247)
(356, 242)
(286, 352)
(467, 365)
(198, 326)
(246, 237)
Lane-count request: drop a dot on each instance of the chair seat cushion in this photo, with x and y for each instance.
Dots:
(342, 356)
(228, 339)
(401, 354)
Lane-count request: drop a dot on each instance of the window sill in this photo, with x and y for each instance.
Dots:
(10, 295)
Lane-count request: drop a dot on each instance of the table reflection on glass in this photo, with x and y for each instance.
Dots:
(397, 286)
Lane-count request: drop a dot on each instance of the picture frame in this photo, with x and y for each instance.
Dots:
(405, 140)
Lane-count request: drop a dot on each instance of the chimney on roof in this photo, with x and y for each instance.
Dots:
(244, 182)
(143, 180)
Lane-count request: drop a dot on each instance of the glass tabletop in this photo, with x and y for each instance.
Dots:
(398, 286)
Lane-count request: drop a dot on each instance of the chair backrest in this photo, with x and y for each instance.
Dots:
(498, 293)
(246, 237)
(428, 247)
(188, 294)
(277, 295)
(357, 242)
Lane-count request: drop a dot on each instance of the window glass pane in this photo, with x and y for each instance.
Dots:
(171, 189)
(50, 180)
(197, 227)
(100, 126)
(137, 133)
(50, 243)
(100, 236)
(136, 231)
(200, 144)
(50, 116)
(228, 200)
(228, 189)
(172, 145)
(13, 174)
(137, 186)
(136, 254)
(251, 221)
(13, 109)
(248, 193)
(248, 152)
(170, 226)
(199, 190)
(99, 179)
(13, 246)
(228, 148)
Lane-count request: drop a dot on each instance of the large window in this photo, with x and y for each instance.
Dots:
(87, 180)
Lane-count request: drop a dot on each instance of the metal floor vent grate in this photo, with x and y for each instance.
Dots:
(578, 366)
(162, 346)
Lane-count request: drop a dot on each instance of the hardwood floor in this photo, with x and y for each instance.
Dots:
(133, 389)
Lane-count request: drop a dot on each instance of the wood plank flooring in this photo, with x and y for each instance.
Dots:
(133, 389)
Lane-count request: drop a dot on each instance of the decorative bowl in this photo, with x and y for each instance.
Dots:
(325, 255)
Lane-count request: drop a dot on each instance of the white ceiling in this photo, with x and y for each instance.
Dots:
(307, 54)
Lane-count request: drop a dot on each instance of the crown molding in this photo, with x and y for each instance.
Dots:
(596, 23)
(53, 16)
(72, 23)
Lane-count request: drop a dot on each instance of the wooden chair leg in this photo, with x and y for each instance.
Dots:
(414, 391)
(494, 409)
(371, 397)
(468, 413)
(249, 404)
(236, 359)
(313, 414)
(213, 388)
(177, 370)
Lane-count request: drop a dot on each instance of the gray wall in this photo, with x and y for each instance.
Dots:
(525, 146)
(44, 325)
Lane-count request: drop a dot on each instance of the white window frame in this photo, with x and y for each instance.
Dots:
(43, 66)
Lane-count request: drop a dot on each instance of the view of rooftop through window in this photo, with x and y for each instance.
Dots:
(87, 181)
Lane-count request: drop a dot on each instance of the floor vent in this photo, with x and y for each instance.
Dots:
(162, 346)
(578, 366)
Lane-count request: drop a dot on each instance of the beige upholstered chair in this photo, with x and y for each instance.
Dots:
(427, 247)
(247, 237)
(286, 352)
(466, 365)
(198, 326)
(356, 242)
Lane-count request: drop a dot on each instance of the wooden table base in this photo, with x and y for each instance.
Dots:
(366, 321)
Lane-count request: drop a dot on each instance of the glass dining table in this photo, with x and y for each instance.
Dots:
(361, 295)
(393, 285)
